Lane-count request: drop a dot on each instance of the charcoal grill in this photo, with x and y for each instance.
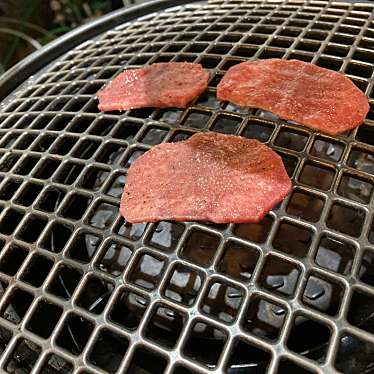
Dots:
(82, 291)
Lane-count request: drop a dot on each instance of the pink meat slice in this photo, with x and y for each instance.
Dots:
(161, 85)
(209, 177)
(295, 90)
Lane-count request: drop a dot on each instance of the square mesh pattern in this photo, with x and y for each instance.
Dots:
(83, 291)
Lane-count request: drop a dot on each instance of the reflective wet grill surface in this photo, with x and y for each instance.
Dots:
(82, 291)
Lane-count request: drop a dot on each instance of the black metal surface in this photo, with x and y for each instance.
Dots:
(82, 291)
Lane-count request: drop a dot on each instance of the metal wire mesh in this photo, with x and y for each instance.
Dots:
(83, 291)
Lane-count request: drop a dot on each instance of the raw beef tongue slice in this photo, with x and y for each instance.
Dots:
(161, 85)
(208, 177)
(318, 98)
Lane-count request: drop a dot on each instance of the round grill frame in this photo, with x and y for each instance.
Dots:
(47, 110)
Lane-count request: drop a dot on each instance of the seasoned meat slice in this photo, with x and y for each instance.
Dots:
(162, 85)
(209, 177)
(295, 90)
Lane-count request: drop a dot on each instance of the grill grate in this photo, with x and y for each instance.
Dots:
(82, 291)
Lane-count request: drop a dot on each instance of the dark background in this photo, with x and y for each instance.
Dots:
(26, 25)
